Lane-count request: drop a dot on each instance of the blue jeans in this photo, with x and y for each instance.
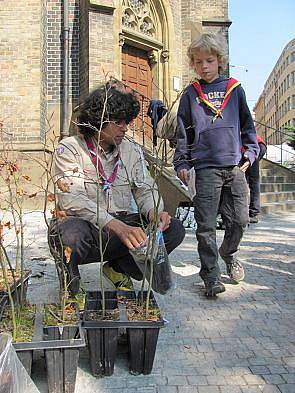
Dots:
(225, 189)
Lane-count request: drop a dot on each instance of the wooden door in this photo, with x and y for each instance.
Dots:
(137, 73)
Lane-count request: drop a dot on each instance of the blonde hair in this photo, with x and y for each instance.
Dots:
(211, 43)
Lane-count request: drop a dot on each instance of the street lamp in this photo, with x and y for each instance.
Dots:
(239, 66)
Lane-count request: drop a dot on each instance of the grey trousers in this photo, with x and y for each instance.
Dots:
(228, 188)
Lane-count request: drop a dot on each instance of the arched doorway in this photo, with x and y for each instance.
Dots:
(145, 54)
(137, 73)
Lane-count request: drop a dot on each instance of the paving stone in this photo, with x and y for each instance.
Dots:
(208, 389)
(273, 379)
(197, 380)
(235, 380)
(289, 378)
(167, 389)
(187, 389)
(288, 388)
(177, 380)
(230, 389)
(253, 379)
(270, 389)
(277, 369)
(251, 389)
(260, 370)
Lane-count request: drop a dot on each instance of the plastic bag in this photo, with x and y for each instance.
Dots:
(13, 376)
(157, 255)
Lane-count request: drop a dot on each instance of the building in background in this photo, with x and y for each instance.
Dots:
(276, 104)
(142, 42)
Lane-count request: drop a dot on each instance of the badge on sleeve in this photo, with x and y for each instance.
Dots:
(60, 150)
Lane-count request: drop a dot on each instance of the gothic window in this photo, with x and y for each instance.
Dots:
(137, 16)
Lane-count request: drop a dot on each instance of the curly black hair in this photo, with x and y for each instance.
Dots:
(109, 102)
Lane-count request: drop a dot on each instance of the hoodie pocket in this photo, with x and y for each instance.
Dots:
(218, 141)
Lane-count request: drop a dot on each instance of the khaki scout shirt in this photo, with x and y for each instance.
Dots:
(82, 194)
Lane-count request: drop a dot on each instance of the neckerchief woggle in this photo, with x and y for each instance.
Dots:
(231, 85)
(107, 182)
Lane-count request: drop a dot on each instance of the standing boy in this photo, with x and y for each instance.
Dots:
(214, 122)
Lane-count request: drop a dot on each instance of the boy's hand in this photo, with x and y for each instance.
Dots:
(245, 165)
(183, 176)
(246, 162)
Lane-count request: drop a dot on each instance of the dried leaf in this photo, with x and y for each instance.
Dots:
(75, 170)
(8, 225)
(50, 197)
(68, 253)
(27, 178)
(12, 167)
(20, 191)
(32, 195)
(63, 186)
(58, 213)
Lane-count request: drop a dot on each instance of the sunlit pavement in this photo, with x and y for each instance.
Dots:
(241, 342)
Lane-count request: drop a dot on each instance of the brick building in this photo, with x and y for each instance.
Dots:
(276, 104)
(142, 42)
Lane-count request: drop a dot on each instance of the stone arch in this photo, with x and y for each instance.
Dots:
(149, 30)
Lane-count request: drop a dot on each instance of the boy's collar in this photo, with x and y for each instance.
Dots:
(220, 78)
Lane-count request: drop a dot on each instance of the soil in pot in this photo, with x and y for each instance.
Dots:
(24, 333)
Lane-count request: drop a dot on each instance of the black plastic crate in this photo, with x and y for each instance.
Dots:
(103, 334)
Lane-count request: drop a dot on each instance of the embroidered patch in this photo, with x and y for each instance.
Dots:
(60, 150)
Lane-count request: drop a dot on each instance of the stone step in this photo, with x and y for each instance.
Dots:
(277, 187)
(278, 206)
(274, 179)
(268, 172)
(270, 197)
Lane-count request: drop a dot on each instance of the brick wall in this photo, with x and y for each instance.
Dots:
(84, 49)
(101, 45)
(20, 68)
(43, 89)
(55, 49)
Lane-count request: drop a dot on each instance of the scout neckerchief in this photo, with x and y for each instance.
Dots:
(231, 85)
(107, 182)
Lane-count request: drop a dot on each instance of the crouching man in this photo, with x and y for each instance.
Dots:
(97, 173)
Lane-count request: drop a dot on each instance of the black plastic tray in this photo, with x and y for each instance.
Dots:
(3, 304)
(113, 300)
(41, 333)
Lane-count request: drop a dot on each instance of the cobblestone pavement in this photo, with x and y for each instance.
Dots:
(242, 342)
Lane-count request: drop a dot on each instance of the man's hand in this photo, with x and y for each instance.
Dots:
(183, 176)
(164, 219)
(132, 237)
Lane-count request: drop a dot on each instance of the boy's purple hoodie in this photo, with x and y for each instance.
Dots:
(201, 143)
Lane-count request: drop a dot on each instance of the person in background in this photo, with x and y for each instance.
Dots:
(214, 122)
(253, 179)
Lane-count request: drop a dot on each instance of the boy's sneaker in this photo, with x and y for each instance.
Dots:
(253, 220)
(120, 281)
(212, 288)
(235, 270)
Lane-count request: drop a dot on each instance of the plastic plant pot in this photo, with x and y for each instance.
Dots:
(102, 335)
